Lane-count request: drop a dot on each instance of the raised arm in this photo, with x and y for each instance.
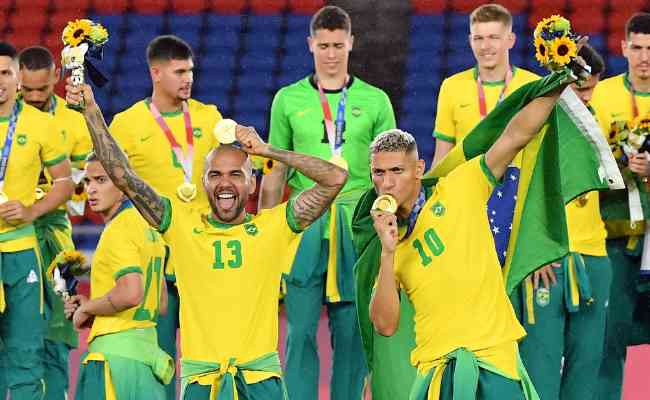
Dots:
(115, 162)
(312, 203)
(521, 129)
(273, 186)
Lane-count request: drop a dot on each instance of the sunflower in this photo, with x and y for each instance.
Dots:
(642, 122)
(541, 25)
(98, 34)
(562, 50)
(541, 51)
(560, 24)
(76, 32)
(268, 166)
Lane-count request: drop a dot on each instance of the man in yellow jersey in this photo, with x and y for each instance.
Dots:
(173, 136)
(232, 261)
(127, 293)
(38, 75)
(31, 140)
(621, 99)
(566, 320)
(464, 321)
(466, 97)
(333, 115)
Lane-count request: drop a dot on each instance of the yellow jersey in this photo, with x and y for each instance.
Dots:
(151, 155)
(127, 245)
(457, 291)
(586, 228)
(229, 280)
(37, 143)
(458, 104)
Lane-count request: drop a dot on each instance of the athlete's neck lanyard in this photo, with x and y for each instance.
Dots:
(186, 162)
(334, 129)
(6, 149)
(482, 105)
(52, 105)
(413, 217)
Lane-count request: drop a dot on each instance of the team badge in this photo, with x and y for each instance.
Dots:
(197, 132)
(251, 229)
(21, 139)
(356, 111)
(438, 209)
(542, 297)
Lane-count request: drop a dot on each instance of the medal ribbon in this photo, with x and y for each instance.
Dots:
(6, 149)
(482, 105)
(413, 217)
(334, 129)
(186, 162)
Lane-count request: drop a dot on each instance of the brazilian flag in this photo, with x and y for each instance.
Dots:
(567, 158)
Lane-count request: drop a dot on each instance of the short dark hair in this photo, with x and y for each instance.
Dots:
(638, 23)
(35, 58)
(167, 48)
(330, 18)
(593, 59)
(7, 50)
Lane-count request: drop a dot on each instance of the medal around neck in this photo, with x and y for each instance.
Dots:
(225, 131)
(386, 203)
(186, 191)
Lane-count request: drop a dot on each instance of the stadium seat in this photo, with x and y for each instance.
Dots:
(227, 6)
(305, 7)
(219, 40)
(298, 25)
(110, 6)
(78, 6)
(264, 23)
(514, 6)
(458, 22)
(223, 23)
(112, 23)
(149, 7)
(578, 5)
(36, 5)
(257, 119)
(189, 6)
(630, 6)
(58, 20)
(219, 64)
(557, 5)
(591, 22)
(426, 25)
(261, 61)
(144, 25)
(219, 98)
(53, 42)
(428, 6)
(598, 42)
(266, 7)
(27, 19)
(614, 42)
(616, 65)
(24, 38)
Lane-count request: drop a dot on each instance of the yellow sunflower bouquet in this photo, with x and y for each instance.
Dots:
(64, 270)
(629, 138)
(84, 31)
(555, 45)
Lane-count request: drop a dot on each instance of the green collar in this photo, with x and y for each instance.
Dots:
(147, 101)
(20, 108)
(492, 83)
(222, 225)
(628, 86)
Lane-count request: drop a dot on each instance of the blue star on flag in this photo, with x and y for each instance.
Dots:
(501, 210)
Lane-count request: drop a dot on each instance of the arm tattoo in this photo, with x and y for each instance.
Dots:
(116, 164)
(329, 178)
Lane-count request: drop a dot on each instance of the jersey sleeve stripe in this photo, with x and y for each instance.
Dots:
(487, 172)
(55, 161)
(127, 270)
(291, 218)
(442, 136)
(167, 216)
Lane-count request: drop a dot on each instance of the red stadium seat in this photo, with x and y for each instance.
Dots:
(265, 7)
(59, 20)
(465, 6)
(593, 22)
(24, 38)
(514, 6)
(628, 5)
(41, 5)
(582, 5)
(428, 6)
(617, 20)
(189, 6)
(305, 7)
(614, 42)
(554, 6)
(228, 6)
(78, 6)
(28, 19)
(150, 7)
(110, 6)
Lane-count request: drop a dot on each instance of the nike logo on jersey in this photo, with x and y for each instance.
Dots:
(197, 231)
(145, 138)
(464, 105)
(303, 112)
(616, 115)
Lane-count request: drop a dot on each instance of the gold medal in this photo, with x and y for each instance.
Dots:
(582, 200)
(225, 130)
(186, 191)
(339, 161)
(386, 203)
(3, 197)
(40, 193)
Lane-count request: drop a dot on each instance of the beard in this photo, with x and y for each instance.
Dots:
(230, 215)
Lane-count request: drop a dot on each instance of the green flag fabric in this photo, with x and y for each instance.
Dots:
(568, 157)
